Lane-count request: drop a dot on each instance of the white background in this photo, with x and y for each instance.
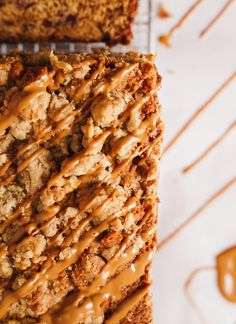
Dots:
(192, 70)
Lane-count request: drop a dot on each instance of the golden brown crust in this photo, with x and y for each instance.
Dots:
(80, 139)
(60, 20)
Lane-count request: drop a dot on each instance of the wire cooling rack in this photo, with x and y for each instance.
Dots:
(142, 38)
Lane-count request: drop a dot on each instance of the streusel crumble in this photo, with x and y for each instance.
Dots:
(80, 139)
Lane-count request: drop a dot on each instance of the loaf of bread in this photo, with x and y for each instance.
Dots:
(80, 138)
(67, 20)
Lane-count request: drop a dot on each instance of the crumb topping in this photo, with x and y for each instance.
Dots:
(80, 142)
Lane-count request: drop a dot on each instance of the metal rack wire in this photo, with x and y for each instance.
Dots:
(142, 40)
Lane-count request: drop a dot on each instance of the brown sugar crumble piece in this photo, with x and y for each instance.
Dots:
(162, 12)
(80, 138)
(67, 20)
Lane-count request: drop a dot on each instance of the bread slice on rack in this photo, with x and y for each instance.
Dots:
(67, 20)
(80, 138)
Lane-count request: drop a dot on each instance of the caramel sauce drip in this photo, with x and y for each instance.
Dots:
(108, 86)
(226, 279)
(213, 22)
(187, 284)
(128, 304)
(165, 39)
(162, 12)
(87, 84)
(72, 163)
(112, 290)
(226, 270)
(190, 219)
(209, 149)
(51, 268)
(22, 99)
(200, 110)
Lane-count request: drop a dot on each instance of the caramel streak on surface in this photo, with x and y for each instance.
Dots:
(20, 210)
(216, 18)
(72, 313)
(122, 256)
(210, 148)
(30, 159)
(226, 273)
(89, 82)
(74, 161)
(200, 110)
(22, 99)
(128, 305)
(50, 270)
(189, 297)
(165, 39)
(189, 220)
(106, 87)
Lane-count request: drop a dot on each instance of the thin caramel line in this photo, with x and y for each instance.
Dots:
(128, 304)
(4, 168)
(30, 159)
(7, 180)
(122, 256)
(89, 81)
(46, 135)
(107, 86)
(43, 138)
(25, 291)
(51, 271)
(166, 38)
(210, 148)
(118, 169)
(111, 290)
(189, 220)
(21, 99)
(199, 111)
(211, 24)
(189, 297)
(12, 217)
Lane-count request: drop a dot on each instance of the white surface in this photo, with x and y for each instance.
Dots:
(192, 70)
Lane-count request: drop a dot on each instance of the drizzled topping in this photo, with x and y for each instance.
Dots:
(226, 269)
(84, 205)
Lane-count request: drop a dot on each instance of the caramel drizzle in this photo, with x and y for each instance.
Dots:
(122, 256)
(61, 122)
(190, 219)
(87, 84)
(188, 295)
(165, 39)
(199, 111)
(45, 135)
(21, 100)
(212, 23)
(112, 289)
(20, 210)
(226, 270)
(51, 270)
(210, 148)
(128, 304)
(106, 87)
(53, 210)
(73, 162)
